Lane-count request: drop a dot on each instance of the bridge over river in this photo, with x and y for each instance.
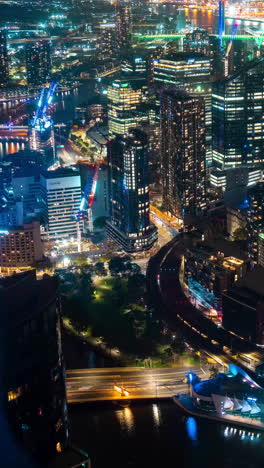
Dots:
(89, 385)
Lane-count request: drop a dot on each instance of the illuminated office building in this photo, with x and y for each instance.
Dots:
(123, 24)
(38, 62)
(237, 121)
(61, 192)
(189, 71)
(123, 102)
(183, 170)
(42, 140)
(255, 218)
(129, 223)
(3, 60)
(135, 65)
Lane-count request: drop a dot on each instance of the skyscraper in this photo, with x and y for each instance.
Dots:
(42, 140)
(32, 368)
(3, 60)
(123, 101)
(237, 122)
(61, 192)
(183, 153)
(190, 71)
(129, 223)
(38, 62)
(123, 24)
(255, 218)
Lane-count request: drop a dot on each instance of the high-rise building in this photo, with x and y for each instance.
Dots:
(197, 41)
(237, 121)
(107, 42)
(20, 246)
(183, 170)
(32, 368)
(243, 306)
(4, 76)
(42, 140)
(255, 218)
(190, 71)
(123, 102)
(129, 223)
(261, 249)
(123, 24)
(38, 62)
(61, 192)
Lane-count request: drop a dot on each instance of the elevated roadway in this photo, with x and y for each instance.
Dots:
(164, 277)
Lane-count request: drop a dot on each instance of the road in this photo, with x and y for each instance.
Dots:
(84, 385)
(164, 279)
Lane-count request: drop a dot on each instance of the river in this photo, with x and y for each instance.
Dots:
(158, 435)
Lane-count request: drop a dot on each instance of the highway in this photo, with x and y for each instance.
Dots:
(85, 385)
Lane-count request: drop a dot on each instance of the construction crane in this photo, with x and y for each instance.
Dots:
(87, 203)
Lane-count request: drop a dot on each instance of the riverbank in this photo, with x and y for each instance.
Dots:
(184, 402)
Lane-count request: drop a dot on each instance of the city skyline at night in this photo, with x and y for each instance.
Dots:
(131, 233)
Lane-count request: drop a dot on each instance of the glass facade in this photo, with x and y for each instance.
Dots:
(123, 24)
(3, 60)
(189, 71)
(237, 120)
(183, 153)
(255, 218)
(123, 102)
(129, 192)
(38, 63)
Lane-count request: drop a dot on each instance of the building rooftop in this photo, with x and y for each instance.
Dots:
(19, 291)
(229, 249)
(185, 56)
(61, 172)
(252, 283)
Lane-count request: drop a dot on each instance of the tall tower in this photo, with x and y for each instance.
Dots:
(3, 60)
(255, 218)
(122, 106)
(183, 153)
(237, 122)
(38, 63)
(129, 223)
(123, 24)
(190, 71)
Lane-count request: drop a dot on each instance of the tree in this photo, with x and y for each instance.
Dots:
(99, 269)
(240, 234)
(99, 223)
(116, 265)
(77, 313)
(86, 286)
